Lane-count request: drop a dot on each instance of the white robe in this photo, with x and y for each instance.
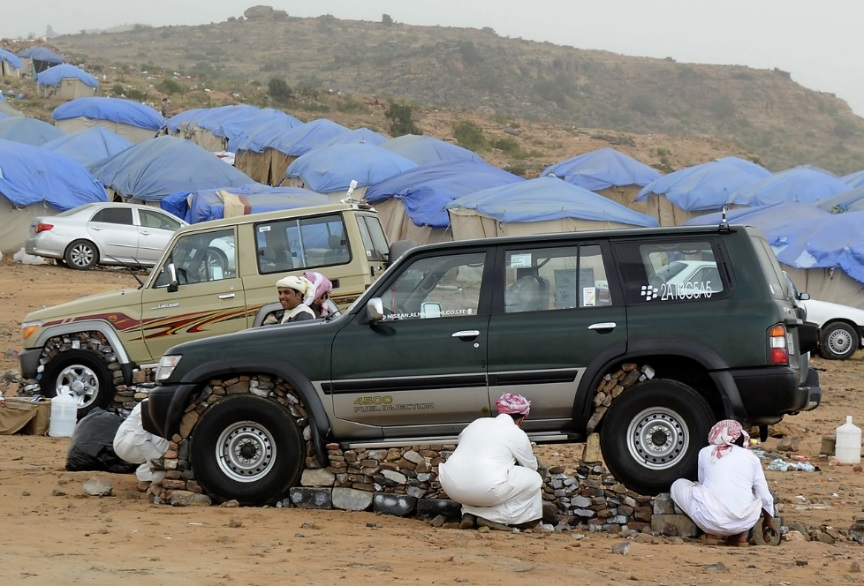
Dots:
(290, 315)
(137, 446)
(730, 494)
(483, 476)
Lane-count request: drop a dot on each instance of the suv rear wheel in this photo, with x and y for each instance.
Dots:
(652, 434)
(247, 448)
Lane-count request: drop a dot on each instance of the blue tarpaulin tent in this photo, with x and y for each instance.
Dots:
(700, 187)
(41, 58)
(307, 137)
(602, 169)
(331, 169)
(359, 135)
(427, 149)
(847, 201)
(112, 109)
(830, 241)
(90, 146)
(151, 170)
(10, 58)
(28, 131)
(767, 219)
(265, 134)
(855, 179)
(54, 75)
(209, 204)
(805, 183)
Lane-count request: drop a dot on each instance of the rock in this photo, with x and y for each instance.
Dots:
(855, 568)
(349, 499)
(311, 498)
(663, 504)
(98, 487)
(399, 505)
(718, 567)
(591, 453)
(438, 521)
(184, 498)
(622, 548)
(317, 477)
(788, 444)
(430, 508)
(793, 535)
(674, 525)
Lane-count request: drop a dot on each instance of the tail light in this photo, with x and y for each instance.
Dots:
(778, 351)
(41, 227)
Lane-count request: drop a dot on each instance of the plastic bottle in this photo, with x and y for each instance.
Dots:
(848, 443)
(64, 413)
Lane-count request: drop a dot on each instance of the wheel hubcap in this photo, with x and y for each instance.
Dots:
(82, 255)
(82, 381)
(246, 452)
(657, 438)
(839, 342)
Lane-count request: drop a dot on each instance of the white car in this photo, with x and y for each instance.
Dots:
(840, 325)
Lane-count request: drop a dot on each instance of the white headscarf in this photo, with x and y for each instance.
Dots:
(301, 284)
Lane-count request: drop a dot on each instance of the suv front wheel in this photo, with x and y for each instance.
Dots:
(86, 376)
(652, 434)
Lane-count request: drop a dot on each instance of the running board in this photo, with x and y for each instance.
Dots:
(399, 442)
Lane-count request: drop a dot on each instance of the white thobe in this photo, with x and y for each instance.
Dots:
(290, 315)
(482, 474)
(136, 446)
(730, 494)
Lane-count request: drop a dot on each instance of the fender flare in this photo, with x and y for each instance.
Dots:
(104, 328)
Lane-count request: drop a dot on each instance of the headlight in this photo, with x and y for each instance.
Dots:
(166, 367)
(28, 328)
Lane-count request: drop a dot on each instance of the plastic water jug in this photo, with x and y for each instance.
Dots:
(848, 443)
(64, 413)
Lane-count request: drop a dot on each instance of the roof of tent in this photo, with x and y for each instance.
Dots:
(113, 109)
(54, 75)
(174, 122)
(209, 204)
(804, 183)
(548, 198)
(828, 241)
(855, 179)
(10, 58)
(360, 136)
(161, 166)
(749, 166)
(237, 128)
(7, 111)
(426, 189)
(332, 168)
(602, 169)
(426, 149)
(265, 134)
(28, 131)
(42, 54)
(847, 201)
(700, 187)
(767, 219)
(307, 137)
(30, 175)
(89, 146)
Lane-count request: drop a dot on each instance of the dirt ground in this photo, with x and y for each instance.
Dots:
(52, 533)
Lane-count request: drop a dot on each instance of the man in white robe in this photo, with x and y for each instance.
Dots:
(136, 446)
(292, 290)
(482, 473)
(731, 493)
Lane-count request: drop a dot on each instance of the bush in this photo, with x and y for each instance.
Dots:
(279, 90)
(469, 135)
(169, 86)
(401, 119)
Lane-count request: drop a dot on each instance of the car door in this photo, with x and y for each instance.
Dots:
(553, 313)
(208, 300)
(155, 229)
(422, 368)
(114, 232)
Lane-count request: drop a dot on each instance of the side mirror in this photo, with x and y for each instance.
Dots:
(803, 297)
(173, 282)
(375, 310)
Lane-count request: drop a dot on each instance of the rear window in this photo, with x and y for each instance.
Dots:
(777, 281)
(374, 239)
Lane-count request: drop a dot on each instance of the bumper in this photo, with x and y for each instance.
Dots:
(28, 360)
(770, 393)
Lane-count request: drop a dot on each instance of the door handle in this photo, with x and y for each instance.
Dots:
(603, 325)
(466, 334)
(227, 296)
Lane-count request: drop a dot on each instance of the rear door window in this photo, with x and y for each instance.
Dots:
(304, 243)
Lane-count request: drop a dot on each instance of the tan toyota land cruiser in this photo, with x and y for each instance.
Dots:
(214, 278)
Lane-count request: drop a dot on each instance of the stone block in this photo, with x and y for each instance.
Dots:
(663, 504)
(350, 499)
(591, 452)
(431, 508)
(311, 498)
(674, 525)
(400, 505)
(317, 477)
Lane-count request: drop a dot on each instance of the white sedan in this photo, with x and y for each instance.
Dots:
(841, 328)
(103, 233)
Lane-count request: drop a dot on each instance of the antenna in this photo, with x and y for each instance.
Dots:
(724, 223)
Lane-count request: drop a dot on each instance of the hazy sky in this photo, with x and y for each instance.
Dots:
(817, 42)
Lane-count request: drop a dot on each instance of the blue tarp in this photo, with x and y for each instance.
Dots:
(54, 75)
(174, 123)
(10, 58)
(267, 133)
(548, 198)
(832, 240)
(112, 109)
(208, 204)
(804, 184)
(30, 175)
(847, 201)
(161, 166)
(426, 189)
(307, 137)
(89, 146)
(426, 149)
(602, 169)
(754, 169)
(855, 179)
(237, 128)
(42, 54)
(332, 168)
(768, 219)
(701, 187)
(359, 136)
(28, 131)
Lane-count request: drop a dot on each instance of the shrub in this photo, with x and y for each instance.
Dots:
(469, 135)
(279, 90)
(169, 86)
(401, 119)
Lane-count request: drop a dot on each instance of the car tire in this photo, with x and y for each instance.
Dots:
(838, 341)
(247, 448)
(86, 375)
(652, 433)
(81, 255)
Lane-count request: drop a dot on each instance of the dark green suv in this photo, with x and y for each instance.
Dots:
(645, 336)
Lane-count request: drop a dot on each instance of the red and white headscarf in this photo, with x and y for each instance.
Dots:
(320, 286)
(723, 435)
(510, 403)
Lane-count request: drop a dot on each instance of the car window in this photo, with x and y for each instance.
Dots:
(112, 215)
(436, 287)
(202, 257)
(304, 243)
(151, 219)
(374, 239)
(544, 279)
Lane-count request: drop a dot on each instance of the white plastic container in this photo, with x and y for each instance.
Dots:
(848, 449)
(64, 413)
